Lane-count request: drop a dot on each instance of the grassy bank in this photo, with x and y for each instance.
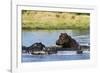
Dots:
(54, 20)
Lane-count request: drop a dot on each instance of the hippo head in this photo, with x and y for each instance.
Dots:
(38, 45)
(64, 38)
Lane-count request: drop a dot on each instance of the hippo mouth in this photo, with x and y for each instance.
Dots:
(59, 46)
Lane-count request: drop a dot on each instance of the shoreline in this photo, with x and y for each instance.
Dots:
(71, 28)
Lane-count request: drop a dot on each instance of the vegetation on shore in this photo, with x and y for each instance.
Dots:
(54, 20)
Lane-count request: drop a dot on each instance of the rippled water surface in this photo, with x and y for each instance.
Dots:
(49, 37)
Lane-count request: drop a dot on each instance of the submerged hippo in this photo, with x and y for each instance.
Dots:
(39, 49)
(67, 41)
(36, 47)
(25, 49)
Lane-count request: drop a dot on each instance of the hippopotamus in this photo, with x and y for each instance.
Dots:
(34, 47)
(66, 41)
(25, 49)
(37, 47)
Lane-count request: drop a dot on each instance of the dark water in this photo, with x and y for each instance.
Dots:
(49, 38)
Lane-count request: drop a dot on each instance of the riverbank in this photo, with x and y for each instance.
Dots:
(54, 20)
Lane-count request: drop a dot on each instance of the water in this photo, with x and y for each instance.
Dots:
(49, 38)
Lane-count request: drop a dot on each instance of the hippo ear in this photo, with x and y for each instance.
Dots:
(69, 37)
(62, 33)
(66, 33)
(40, 43)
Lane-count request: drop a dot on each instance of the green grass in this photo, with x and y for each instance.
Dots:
(54, 20)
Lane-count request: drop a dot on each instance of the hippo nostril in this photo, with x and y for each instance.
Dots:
(57, 42)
